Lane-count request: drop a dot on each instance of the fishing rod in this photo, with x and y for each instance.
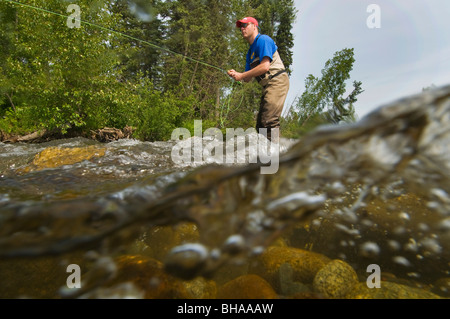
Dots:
(119, 33)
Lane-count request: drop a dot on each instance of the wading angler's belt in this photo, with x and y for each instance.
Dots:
(261, 77)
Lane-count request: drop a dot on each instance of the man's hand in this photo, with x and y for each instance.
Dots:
(235, 75)
(260, 69)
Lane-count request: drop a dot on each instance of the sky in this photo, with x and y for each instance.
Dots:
(400, 46)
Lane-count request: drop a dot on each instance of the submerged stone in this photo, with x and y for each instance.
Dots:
(335, 279)
(303, 265)
(247, 287)
(53, 157)
(287, 285)
(148, 275)
(201, 288)
(186, 261)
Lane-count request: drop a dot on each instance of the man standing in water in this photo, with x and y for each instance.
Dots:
(264, 64)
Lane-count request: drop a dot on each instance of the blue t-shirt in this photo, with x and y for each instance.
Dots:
(263, 46)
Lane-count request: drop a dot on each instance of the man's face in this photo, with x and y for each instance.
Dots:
(247, 30)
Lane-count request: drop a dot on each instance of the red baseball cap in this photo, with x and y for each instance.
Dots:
(246, 20)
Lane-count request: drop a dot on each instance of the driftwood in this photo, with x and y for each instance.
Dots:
(106, 134)
(29, 138)
(109, 134)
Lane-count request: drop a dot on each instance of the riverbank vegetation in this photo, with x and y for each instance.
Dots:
(150, 65)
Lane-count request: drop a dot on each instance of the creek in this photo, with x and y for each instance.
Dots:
(374, 192)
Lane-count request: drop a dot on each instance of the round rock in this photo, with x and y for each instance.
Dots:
(335, 279)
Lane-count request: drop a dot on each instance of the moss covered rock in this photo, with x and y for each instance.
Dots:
(335, 279)
(52, 157)
(303, 265)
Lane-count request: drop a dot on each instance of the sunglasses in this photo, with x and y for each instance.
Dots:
(244, 25)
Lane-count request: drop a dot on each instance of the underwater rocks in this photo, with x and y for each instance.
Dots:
(389, 290)
(279, 272)
(299, 265)
(297, 273)
(285, 273)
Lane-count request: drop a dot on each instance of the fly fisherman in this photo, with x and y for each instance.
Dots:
(264, 64)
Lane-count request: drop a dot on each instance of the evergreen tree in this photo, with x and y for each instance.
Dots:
(276, 18)
(197, 30)
(139, 19)
(284, 37)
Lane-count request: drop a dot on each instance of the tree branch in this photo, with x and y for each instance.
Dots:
(10, 100)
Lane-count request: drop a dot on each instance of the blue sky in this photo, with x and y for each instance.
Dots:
(409, 51)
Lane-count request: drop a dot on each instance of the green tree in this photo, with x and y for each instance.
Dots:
(139, 20)
(195, 29)
(59, 78)
(325, 96)
(284, 37)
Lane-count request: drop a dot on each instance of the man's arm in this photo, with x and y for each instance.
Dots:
(260, 69)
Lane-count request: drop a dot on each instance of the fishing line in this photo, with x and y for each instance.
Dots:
(119, 33)
(227, 108)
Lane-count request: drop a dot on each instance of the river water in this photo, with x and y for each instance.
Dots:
(372, 193)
